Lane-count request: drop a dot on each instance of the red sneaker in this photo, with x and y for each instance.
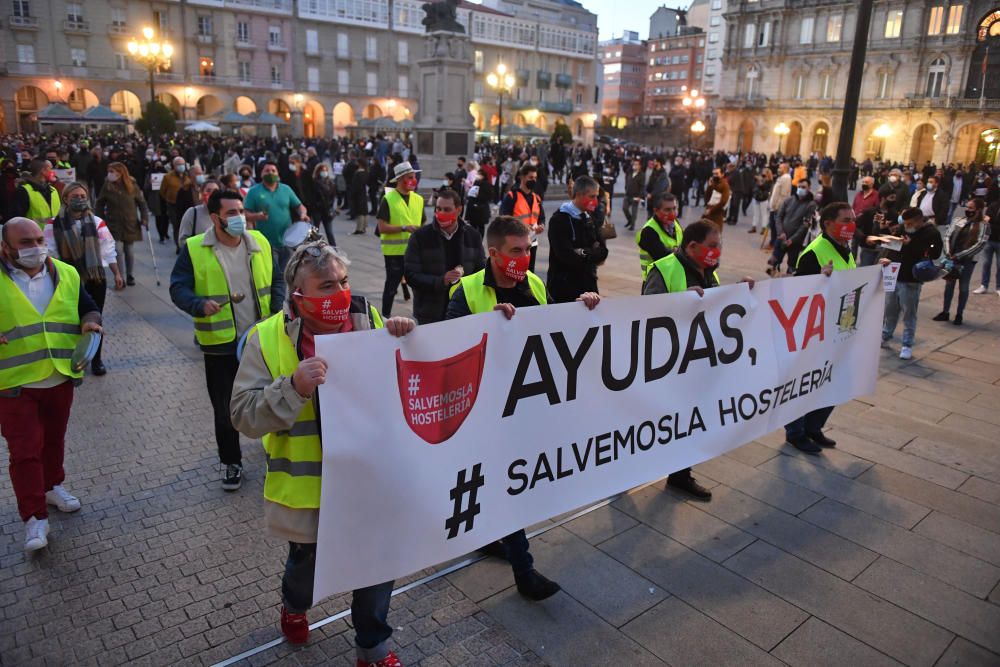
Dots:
(295, 627)
(388, 661)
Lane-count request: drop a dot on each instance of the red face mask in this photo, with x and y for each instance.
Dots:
(844, 231)
(409, 182)
(704, 255)
(668, 218)
(590, 205)
(515, 268)
(332, 309)
(446, 219)
(52, 178)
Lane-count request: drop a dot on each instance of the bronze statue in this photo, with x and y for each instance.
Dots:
(442, 16)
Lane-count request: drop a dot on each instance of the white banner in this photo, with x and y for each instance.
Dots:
(155, 181)
(66, 176)
(465, 431)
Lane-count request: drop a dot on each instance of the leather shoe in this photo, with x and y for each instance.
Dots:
(688, 485)
(534, 586)
(821, 439)
(804, 444)
(941, 317)
(97, 368)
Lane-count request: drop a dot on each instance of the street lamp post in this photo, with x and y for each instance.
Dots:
(697, 128)
(694, 103)
(502, 82)
(842, 166)
(782, 131)
(152, 54)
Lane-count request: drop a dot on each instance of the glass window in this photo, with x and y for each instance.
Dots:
(713, 37)
(22, 9)
(162, 19)
(243, 31)
(274, 35)
(748, 34)
(205, 25)
(404, 85)
(342, 80)
(752, 75)
(118, 16)
(74, 12)
(715, 21)
(954, 19)
(206, 66)
(26, 53)
(937, 15)
(716, 4)
(825, 86)
(371, 47)
(312, 76)
(806, 30)
(765, 34)
(244, 71)
(834, 25)
(371, 79)
(121, 61)
(883, 85)
(935, 78)
(276, 74)
(342, 45)
(403, 52)
(478, 60)
(893, 23)
(312, 41)
(78, 57)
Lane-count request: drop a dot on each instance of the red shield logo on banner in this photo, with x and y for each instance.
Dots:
(437, 396)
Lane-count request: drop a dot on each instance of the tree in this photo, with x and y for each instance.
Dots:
(156, 119)
(561, 131)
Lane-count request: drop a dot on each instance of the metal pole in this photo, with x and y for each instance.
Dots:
(152, 89)
(842, 167)
(500, 120)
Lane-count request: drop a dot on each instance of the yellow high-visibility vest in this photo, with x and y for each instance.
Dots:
(401, 213)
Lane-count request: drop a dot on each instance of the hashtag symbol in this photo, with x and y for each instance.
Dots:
(458, 493)
(414, 385)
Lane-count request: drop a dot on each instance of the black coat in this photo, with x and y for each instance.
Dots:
(571, 273)
(425, 264)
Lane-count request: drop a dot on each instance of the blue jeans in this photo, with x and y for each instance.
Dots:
(964, 278)
(369, 606)
(868, 257)
(811, 423)
(905, 299)
(991, 252)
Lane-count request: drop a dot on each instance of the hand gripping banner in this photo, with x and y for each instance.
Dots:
(433, 448)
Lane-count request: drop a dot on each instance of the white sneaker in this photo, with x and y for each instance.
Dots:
(36, 534)
(62, 499)
(906, 353)
(980, 290)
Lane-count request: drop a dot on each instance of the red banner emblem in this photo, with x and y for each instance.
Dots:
(437, 396)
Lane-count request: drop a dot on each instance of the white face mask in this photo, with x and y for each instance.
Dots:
(32, 258)
(112, 177)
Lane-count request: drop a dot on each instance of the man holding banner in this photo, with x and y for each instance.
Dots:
(274, 398)
(505, 285)
(692, 266)
(828, 252)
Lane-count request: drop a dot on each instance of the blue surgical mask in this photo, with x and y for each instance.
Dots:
(801, 192)
(899, 219)
(200, 179)
(236, 225)
(181, 168)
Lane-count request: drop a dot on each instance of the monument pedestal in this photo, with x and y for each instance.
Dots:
(444, 129)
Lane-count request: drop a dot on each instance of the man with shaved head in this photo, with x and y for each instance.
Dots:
(45, 310)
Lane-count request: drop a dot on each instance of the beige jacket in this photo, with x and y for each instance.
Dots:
(262, 405)
(781, 191)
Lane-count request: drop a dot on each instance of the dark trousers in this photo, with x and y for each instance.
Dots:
(393, 276)
(964, 278)
(734, 208)
(175, 224)
(369, 606)
(98, 291)
(220, 372)
(780, 250)
(517, 552)
(163, 226)
(631, 209)
(679, 475)
(34, 425)
(811, 422)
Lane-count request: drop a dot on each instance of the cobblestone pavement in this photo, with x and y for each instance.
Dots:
(885, 550)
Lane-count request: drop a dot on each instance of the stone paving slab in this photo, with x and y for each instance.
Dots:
(819, 644)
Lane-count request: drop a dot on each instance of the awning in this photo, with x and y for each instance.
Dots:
(104, 116)
(58, 113)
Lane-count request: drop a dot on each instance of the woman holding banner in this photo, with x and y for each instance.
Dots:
(691, 267)
(274, 398)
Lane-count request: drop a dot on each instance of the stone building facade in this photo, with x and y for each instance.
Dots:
(922, 96)
(323, 66)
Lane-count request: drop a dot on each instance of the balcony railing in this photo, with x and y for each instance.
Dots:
(78, 26)
(23, 22)
(564, 81)
(117, 29)
(277, 47)
(943, 102)
(29, 68)
(242, 43)
(204, 39)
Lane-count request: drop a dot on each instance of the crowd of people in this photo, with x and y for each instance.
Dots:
(75, 205)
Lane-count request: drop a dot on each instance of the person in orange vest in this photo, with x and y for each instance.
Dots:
(523, 204)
